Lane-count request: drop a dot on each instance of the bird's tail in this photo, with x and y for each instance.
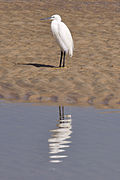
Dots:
(70, 52)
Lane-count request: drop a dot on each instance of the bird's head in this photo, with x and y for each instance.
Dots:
(53, 17)
(56, 17)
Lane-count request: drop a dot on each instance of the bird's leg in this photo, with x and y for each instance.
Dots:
(61, 58)
(64, 59)
(60, 112)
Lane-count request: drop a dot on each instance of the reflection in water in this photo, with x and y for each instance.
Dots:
(59, 137)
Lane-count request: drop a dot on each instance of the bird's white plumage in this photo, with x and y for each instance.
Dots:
(62, 34)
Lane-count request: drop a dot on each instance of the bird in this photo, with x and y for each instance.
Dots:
(63, 37)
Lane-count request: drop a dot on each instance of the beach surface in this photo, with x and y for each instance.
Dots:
(29, 55)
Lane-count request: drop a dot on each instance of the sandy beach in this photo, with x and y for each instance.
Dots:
(29, 56)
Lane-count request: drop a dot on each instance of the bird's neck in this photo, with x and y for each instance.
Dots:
(56, 20)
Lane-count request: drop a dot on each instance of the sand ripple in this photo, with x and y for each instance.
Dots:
(29, 55)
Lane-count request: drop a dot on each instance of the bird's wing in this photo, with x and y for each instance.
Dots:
(65, 35)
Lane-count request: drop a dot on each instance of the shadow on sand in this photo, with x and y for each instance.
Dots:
(37, 65)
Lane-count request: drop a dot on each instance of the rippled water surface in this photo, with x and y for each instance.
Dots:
(47, 142)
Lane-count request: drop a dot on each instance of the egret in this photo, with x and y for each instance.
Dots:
(63, 37)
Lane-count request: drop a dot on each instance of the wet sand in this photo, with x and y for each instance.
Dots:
(29, 55)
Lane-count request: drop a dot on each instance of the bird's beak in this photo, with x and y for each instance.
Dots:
(45, 18)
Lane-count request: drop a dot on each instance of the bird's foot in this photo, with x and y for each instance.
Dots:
(60, 67)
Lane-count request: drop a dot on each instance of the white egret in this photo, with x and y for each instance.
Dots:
(63, 37)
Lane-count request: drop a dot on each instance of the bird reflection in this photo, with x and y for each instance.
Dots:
(59, 137)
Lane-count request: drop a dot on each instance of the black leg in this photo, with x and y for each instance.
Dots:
(64, 59)
(60, 112)
(61, 59)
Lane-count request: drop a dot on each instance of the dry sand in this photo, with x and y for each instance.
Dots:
(29, 54)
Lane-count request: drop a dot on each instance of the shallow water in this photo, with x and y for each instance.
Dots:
(47, 142)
